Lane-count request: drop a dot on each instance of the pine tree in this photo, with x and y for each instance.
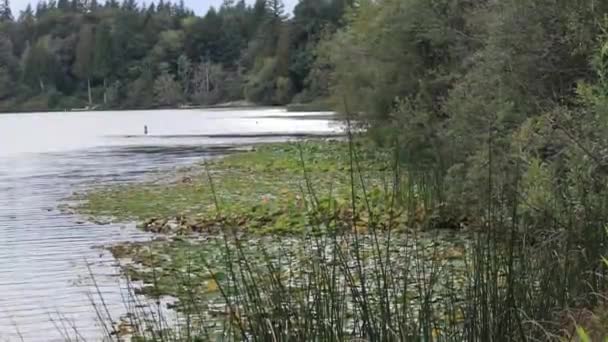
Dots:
(151, 9)
(5, 11)
(41, 9)
(77, 6)
(93, 5)
(273, 25)
(129, 5)
(276, 9)
(27, 15)
(112, 4)
(63, 5)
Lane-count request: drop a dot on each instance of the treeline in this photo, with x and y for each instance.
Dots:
(76, 53)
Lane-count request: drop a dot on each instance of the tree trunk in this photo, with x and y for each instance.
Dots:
(105, 93)
(41, 83)
(90, 95)
(207, 85)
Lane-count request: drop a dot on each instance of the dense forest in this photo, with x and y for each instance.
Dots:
(71, 54)
(463, 86)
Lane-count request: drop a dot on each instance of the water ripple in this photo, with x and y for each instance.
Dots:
(45, 255)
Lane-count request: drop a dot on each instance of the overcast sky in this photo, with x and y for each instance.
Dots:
(199, 6)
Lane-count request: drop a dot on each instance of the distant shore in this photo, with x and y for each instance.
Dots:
(232, 104)
(241, 104)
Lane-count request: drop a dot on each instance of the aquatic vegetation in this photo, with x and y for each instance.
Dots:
(208, 275)
(277, 218)
(269, 190)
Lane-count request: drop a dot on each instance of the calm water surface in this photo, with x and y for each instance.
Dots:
(45, 287)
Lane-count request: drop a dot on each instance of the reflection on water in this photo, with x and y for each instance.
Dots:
(44, 282)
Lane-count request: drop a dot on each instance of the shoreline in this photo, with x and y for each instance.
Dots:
(57, 111)
(234, 105)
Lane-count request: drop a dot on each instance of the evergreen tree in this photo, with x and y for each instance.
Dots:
(112, 4)
(77, 6)
(151, 9)
(63, 5)
(92, 5)
(5, 11)
(130, 5)
(41, 9)
(27, 15)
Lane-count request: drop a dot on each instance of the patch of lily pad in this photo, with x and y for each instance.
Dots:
(201, 272)
(277, 188)
(266, 210)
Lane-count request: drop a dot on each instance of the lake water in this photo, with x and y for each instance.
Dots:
(46, 254)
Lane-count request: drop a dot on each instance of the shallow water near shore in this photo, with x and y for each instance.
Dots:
(45, 287)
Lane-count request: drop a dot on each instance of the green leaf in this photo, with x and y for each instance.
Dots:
(582, 334)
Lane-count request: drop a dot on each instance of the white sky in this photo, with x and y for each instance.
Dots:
(200, 7)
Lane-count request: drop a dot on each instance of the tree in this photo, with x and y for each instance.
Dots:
(261, 82)
(234, 32)
(77, 6)
(5, 11)
(92, 5)
(276, 10)
(283, 50)
(210, 40)
(7, 57)
(85, 57)
(63, 5)
(39, 65)
(395, 49)
(534, 55)
(103, 59)
(169, 46)
(41, 9)
(129, 5)
(7, 88)
(184, 73)
(27, 15)
(273, 26)
(127, 43)
(111, 4)
(139, 92)
(167, 90)
(114, 93)
(211, 83)
(312, 21)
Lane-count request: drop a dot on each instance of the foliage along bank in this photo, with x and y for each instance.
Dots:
(502, 105)
(73, 54)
